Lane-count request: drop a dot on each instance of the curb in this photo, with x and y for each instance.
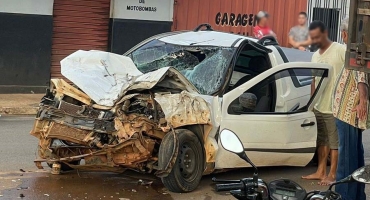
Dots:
(18, 110)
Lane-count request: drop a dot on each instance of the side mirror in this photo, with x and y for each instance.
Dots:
(231, 142)
(362, 175)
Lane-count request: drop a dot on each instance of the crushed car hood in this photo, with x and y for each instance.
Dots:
(106, 77)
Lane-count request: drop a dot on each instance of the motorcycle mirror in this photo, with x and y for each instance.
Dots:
(362, 175)
(231, 142)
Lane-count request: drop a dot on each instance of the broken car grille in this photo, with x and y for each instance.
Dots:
(69, 108)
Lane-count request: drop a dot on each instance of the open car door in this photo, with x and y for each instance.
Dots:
(271, 135)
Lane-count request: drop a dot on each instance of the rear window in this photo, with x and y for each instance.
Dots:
(294, 55)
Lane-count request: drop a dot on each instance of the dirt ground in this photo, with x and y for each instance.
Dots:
(19, 104)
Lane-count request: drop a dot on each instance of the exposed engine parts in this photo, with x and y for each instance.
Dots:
(127, 135)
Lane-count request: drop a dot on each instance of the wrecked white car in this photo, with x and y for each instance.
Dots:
(159, 108)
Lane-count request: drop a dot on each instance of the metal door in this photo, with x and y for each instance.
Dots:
(78, 24)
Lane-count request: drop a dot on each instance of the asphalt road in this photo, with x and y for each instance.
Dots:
(19, 177)
(17, 146)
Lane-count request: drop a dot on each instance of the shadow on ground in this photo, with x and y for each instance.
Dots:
(83, 185)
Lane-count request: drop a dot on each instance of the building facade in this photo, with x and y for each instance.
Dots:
(26, 29)
(331, 12)
(238, 16)
(36, 34)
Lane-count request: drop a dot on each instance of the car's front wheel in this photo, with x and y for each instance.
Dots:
(188, 168)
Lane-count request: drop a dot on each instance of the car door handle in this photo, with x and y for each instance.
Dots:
(308, 124)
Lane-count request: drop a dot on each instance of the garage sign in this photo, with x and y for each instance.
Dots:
(234, 19)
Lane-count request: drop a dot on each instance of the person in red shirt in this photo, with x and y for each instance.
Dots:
(262, 29)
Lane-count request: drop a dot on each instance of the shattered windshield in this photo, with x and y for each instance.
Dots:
(204, 67)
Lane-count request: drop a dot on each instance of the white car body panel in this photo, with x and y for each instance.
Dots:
(271, 138)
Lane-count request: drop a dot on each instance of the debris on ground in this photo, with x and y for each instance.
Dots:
(22, 170)
(46, 195)
(22, 188)
(133, 190)
(164, 191)
(21, 195)
(145, 183)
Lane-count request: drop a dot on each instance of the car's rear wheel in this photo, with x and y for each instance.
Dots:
(188, 168)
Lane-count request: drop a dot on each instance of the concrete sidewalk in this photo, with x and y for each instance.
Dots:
(19, 104)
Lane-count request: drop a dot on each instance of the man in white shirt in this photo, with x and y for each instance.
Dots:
(331, 53)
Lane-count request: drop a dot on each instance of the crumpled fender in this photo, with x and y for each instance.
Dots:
(167, 154)
(184, 109)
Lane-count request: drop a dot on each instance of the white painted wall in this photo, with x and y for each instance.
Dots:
(164, 10)
(330, 4)
(341, 5)
(37, 7)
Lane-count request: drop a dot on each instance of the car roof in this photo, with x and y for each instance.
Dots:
(295, 55)
(205, 38)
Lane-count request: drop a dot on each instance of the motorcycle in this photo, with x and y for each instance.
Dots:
(281, 189)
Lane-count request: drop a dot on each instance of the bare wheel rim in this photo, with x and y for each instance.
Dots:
(187, 162)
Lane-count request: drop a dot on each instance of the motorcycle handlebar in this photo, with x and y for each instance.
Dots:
(229, 186)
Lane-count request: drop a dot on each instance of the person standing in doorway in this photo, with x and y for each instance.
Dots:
(350, 108)
(331, 53)
(298, 35)
(262, 29)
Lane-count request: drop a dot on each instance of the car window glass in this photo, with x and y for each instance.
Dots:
(301, 80)
(204, 67)
(249, 64)
(277, 93)
(295, 55)
(243, 61)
